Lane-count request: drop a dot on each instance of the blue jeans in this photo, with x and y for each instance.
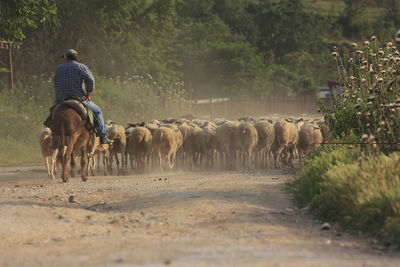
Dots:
(102, 131)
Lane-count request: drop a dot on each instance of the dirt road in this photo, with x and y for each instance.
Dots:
(196, 219)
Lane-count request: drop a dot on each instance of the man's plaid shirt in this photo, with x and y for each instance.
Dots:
(69, 78)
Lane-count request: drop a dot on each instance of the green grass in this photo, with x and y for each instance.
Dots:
(359, 192)
(336, 7)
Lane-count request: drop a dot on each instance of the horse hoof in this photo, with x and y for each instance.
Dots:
(84, 179)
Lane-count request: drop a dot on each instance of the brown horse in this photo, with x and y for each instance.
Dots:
(71, 133)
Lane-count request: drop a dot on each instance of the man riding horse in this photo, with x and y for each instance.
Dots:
(68, 83)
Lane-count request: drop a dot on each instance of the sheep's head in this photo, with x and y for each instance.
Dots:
(298, 122)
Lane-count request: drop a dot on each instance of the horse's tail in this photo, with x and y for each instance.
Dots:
(63, 144)
(62, 133)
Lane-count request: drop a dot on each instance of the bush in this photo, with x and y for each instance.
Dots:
(357, 191)
(307, 182)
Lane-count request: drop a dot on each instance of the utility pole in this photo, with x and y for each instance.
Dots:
(9, 46)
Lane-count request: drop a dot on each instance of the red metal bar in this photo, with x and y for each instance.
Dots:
(358, 143)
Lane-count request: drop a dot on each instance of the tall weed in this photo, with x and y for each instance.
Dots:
(370, 103)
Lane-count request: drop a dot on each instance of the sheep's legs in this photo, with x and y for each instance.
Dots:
(54, 162)
(46, 160)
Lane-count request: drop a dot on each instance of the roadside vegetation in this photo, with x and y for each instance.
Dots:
(358, 186)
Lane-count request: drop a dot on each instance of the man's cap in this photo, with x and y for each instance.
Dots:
(70, 52)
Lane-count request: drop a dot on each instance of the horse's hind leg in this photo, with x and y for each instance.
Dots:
(73, 165)
(83, 163)
(66, 158)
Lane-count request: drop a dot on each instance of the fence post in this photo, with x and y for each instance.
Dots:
(211, 110)
(9, 46)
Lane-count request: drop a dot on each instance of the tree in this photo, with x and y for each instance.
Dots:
(284, 27)
(217, 62)
(18, 15)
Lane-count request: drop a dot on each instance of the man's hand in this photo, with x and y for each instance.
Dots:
(88, 97)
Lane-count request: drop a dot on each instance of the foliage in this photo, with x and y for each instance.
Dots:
(287, 83)
(17, 15)
(357, 191)
(229, 48)
(284, 27)
(217, 61)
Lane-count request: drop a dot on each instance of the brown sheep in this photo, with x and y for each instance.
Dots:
(310, 136)
(208, 144)
(194, 146)
(139, 146)
(266, 137)
(116, 133)
(185, 152)
(227, 144)
(165, 142)
(246, 137)
(49, 155)
(286, 138)
(152, 126)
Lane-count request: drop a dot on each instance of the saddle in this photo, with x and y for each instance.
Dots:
(78, 107)
(84, 111)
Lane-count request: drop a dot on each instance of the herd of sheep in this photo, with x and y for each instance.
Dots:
(195, 144)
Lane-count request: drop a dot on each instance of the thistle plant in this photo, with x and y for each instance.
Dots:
(370, 102)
